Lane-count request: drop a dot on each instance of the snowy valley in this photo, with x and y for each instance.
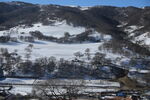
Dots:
(50, 49)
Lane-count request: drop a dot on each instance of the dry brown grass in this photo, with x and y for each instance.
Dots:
(128, 83)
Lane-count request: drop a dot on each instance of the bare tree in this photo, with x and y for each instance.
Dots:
(99, 60)
(59, 89)
(87, 54)
(78, 55)
(28, 50)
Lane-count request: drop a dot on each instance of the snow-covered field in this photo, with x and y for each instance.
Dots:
(27, 90)
(47, 48)
(101, 83)
(92, 85)
(57, 29)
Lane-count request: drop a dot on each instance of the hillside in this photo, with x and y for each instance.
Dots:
(56, 41)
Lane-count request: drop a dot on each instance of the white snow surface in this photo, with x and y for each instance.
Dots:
(48, 49)
(57, 29)
(99, 82)
(26, 89)
(142, 39)
(84, 8)
(145, 38)
(23, 90)
(132, 28)
(80, 7)
(122, 24)
(100, 36)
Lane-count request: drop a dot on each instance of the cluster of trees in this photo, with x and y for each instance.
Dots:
(125, 48)
(7, 38)
(26, 38)
(38, 35)
(53, 90)
(116, 48)
(4, 39)
(8, 61)
(85, 37)
(59, 89)
(82, 37)
(81, 66)
(67, 38)
(38, 68)
(139, 63)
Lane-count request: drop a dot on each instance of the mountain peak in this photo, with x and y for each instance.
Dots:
(19, 3)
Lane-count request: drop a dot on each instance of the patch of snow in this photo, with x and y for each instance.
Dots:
(145, 38)
(22, 90)
(122, 24)
(147, 93)
(17, 81)
(47, 49)
(98, 90)
(81, 8)
(133, 69)
(56, 29)
(100, 36)
(144, 71)
(73, 6)
(84, 8)
(142, 7)
(92, 85)
(132, 28)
